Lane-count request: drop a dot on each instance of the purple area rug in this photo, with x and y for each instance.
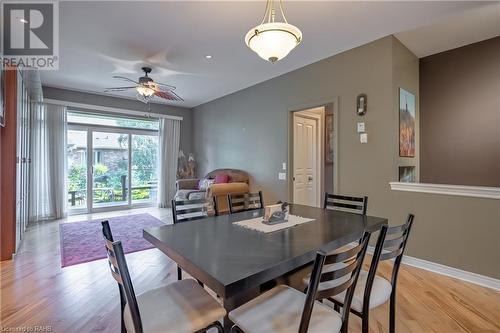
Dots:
(83, 241)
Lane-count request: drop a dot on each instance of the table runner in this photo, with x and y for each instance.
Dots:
(256, 223)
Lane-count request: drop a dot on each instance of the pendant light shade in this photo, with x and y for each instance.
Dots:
(273, 41)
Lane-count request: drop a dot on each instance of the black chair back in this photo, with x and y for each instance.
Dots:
(345, 203)
(387, 249)
(344, 278)
(245, 202)
(189, 210)
(119, 271)
(394, 247)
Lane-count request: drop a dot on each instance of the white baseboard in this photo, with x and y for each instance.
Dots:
(456, 273)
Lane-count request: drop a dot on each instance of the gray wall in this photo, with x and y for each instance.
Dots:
(460, 98)
(129, 104)
(249, 130)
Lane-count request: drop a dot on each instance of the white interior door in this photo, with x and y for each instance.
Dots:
(305, 161)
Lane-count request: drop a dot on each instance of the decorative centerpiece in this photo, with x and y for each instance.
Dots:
(275, 214)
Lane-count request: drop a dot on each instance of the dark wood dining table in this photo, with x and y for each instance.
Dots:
(235, 262)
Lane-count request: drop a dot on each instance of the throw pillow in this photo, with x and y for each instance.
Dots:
(222, 179)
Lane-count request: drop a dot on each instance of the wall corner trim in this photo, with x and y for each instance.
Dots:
(481, 280)
(457, 190)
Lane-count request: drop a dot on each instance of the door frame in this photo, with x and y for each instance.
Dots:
(328, 103)
(319, 118)
(90, 129)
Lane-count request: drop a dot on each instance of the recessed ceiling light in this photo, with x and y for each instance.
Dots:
(208, 56)
(23, 20)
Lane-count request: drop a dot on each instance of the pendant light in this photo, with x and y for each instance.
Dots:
(273, 40)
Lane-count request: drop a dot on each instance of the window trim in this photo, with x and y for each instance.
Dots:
(113, 129)
(121, 128)
(110, 109)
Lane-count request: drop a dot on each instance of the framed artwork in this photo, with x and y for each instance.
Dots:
(407, 174)
(329, 138)
(406, 123)
(2, 98)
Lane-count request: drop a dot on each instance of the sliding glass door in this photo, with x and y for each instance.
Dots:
(110, 167)
(77, 169)
(144, 173)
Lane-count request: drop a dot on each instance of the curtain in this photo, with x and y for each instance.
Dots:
(170, 130)
(48, 162)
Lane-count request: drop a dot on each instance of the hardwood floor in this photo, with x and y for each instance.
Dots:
(35, 291)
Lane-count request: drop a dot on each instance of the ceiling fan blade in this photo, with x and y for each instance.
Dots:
(114, 88)
(165, 86)
(125, 78)
(169, 95)
(118, 89)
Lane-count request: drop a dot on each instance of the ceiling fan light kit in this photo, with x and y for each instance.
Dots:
(271, 40)
(146, 88)
(145, 91)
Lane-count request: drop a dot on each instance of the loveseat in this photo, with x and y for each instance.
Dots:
(218, 183)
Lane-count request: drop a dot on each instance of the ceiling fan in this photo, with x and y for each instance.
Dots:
(147, 88)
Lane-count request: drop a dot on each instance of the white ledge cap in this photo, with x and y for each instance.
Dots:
(458, 190)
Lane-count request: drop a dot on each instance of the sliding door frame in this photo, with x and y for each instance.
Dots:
(90, 129)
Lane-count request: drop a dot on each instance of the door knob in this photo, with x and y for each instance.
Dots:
(310, 178)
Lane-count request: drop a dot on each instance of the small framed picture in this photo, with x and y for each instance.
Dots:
(407, 174)
(406, 123)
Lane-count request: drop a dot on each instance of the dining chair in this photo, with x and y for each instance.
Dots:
(182, 306)
(284, 309)
(188, 210)
(350, 204)
(345, 203)
(373, 290)
(245, 202)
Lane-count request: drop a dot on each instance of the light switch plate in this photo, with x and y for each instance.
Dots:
(281, 175)
(363, 138)
(284, 166)
(361, 127)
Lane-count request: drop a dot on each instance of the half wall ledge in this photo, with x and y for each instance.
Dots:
(457, 190)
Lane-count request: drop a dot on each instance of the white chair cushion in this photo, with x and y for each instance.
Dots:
(182, 306)
(381, 292)
(279, 310)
